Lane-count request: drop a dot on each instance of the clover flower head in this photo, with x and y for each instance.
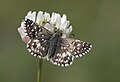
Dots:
(47, 21)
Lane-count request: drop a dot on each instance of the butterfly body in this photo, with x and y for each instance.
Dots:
(54, 43)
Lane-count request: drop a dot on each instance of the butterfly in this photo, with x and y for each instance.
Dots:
(52, 46)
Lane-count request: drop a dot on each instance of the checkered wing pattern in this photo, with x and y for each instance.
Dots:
(30, 28)
(62, 56)
(39, 36)
(78, 48)
(70, 49)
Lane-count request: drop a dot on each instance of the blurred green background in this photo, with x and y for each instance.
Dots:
(96, 21)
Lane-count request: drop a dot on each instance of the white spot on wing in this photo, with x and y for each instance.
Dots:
(80, 55)
(76, 56)
(66, 64)
(32, 53)
(29, 50)
(58, 64)
(35, 55)
(83, 53)
(62, 65)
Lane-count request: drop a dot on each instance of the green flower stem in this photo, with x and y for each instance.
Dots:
(39, 70)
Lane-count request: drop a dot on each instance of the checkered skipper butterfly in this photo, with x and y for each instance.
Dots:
(52, 45)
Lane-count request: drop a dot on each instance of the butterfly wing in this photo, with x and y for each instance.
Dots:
(39, 37)
(30, 28)
(62, 56)
(70, 49)
(37, 48)
(78, 48)
(33, 30)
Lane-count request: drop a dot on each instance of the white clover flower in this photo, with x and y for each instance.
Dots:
(49, 22)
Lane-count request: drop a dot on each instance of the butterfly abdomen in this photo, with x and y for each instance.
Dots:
(54, 44)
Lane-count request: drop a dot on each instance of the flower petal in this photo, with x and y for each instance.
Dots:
(22, 32)
(67, 31)
(63, 19)
(28, 15)
(46, 16)
(49, 27)
(31, 16)
(58, 21)
(40, 17)
(52, 17)
(70, 29)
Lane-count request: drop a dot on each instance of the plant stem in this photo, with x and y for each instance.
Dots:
(39, 70)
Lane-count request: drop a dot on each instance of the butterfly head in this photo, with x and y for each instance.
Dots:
(58, 32)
